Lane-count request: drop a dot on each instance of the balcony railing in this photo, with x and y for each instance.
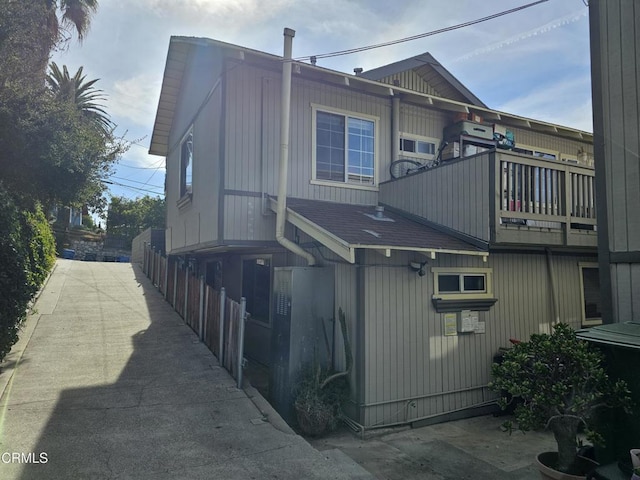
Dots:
(544, 195)
(502, 197)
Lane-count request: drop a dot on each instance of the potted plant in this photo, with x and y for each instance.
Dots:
(321, 392)
(560, 382)
(318, 407)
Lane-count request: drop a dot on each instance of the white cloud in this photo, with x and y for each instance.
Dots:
(135, 99)
(567, 102)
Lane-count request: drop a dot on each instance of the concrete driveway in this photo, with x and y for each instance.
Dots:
(107, 382)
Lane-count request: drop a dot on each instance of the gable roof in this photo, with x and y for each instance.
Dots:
(345, 227)
(431, 72)
(181, 53)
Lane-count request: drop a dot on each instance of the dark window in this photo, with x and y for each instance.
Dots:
(591, 285)
(186, 165)
(474, 283)
(256, 287)
(448, 283)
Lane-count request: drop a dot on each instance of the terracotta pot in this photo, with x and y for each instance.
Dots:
(544, 462)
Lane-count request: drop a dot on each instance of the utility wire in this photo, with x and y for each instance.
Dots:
(421, 35)
(135, 181)
(130, 187)
(120, 164)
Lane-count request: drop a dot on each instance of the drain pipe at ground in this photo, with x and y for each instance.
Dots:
(281, 209)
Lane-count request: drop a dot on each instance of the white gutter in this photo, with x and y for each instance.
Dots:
(281, 210)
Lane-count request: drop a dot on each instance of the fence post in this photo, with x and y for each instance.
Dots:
(243, 313)
(175, 284)
(201, 310)
(158, 268)
(223, 301)
(144, 258)
(166, 277)
(152, 258)
(206, 319)
(186, 294)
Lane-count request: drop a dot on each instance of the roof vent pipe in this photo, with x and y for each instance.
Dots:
(379, 211)
(281, 209)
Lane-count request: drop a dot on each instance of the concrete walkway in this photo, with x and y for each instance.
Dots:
(107, 382)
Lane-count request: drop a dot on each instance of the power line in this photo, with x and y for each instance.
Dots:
(135, 181)
(131, 187)
(421, 35)
(140, 168)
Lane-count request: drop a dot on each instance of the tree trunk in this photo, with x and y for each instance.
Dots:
(565, 431)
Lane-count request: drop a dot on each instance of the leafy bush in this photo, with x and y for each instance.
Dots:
(27, 254)
(561, 382)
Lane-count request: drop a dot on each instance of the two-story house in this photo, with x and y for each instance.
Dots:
(436, 268)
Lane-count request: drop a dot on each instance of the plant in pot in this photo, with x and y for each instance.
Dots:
(320, 392)
(560, 383)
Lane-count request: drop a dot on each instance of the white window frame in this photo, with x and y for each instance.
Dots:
(418, 138)
(315, 108)
(538, 150)
(185, 191)
(571, 159)
(591, 322)
(463, 271)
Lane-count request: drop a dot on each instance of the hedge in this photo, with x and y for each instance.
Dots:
(27, 254)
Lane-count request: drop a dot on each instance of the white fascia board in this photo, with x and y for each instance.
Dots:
(332, 242)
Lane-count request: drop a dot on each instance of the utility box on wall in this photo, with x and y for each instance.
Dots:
(302, 330)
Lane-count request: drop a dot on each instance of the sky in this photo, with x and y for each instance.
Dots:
(533, 63)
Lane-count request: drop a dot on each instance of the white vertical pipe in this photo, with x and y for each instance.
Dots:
(281, 209)
(395, 127)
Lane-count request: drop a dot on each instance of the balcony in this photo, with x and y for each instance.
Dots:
(503, 198)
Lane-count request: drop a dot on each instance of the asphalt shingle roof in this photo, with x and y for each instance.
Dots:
(355, 225)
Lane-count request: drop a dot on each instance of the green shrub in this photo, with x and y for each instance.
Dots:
(561, 382)
(27, 254)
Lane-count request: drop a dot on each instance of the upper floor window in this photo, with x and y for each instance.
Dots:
(414, 146)
(536, 151)
(344, 147)
(186, 165)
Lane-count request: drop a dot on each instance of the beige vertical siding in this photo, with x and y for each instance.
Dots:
(411, 80)
(409, 358)
(456, 195)
(197, 222)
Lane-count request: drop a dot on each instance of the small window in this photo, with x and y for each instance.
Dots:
(186, 165)
(536, 152)
(591, 303)
(461, 283)
(414, 146)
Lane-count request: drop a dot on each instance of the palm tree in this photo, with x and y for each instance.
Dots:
(79, 93)
(73, 14)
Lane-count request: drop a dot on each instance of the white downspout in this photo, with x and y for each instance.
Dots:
(281, 209)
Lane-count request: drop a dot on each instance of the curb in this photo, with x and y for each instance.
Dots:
(267, 410)
(9, 365)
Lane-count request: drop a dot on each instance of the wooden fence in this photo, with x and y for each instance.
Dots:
(213, 316)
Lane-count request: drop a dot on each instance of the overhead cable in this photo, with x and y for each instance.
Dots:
(421, 35)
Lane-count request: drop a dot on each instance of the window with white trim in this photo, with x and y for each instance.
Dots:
(344, 147)
(415, 146)
(186, 165)
(536, 152)
(590, 293)
(462, 283)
